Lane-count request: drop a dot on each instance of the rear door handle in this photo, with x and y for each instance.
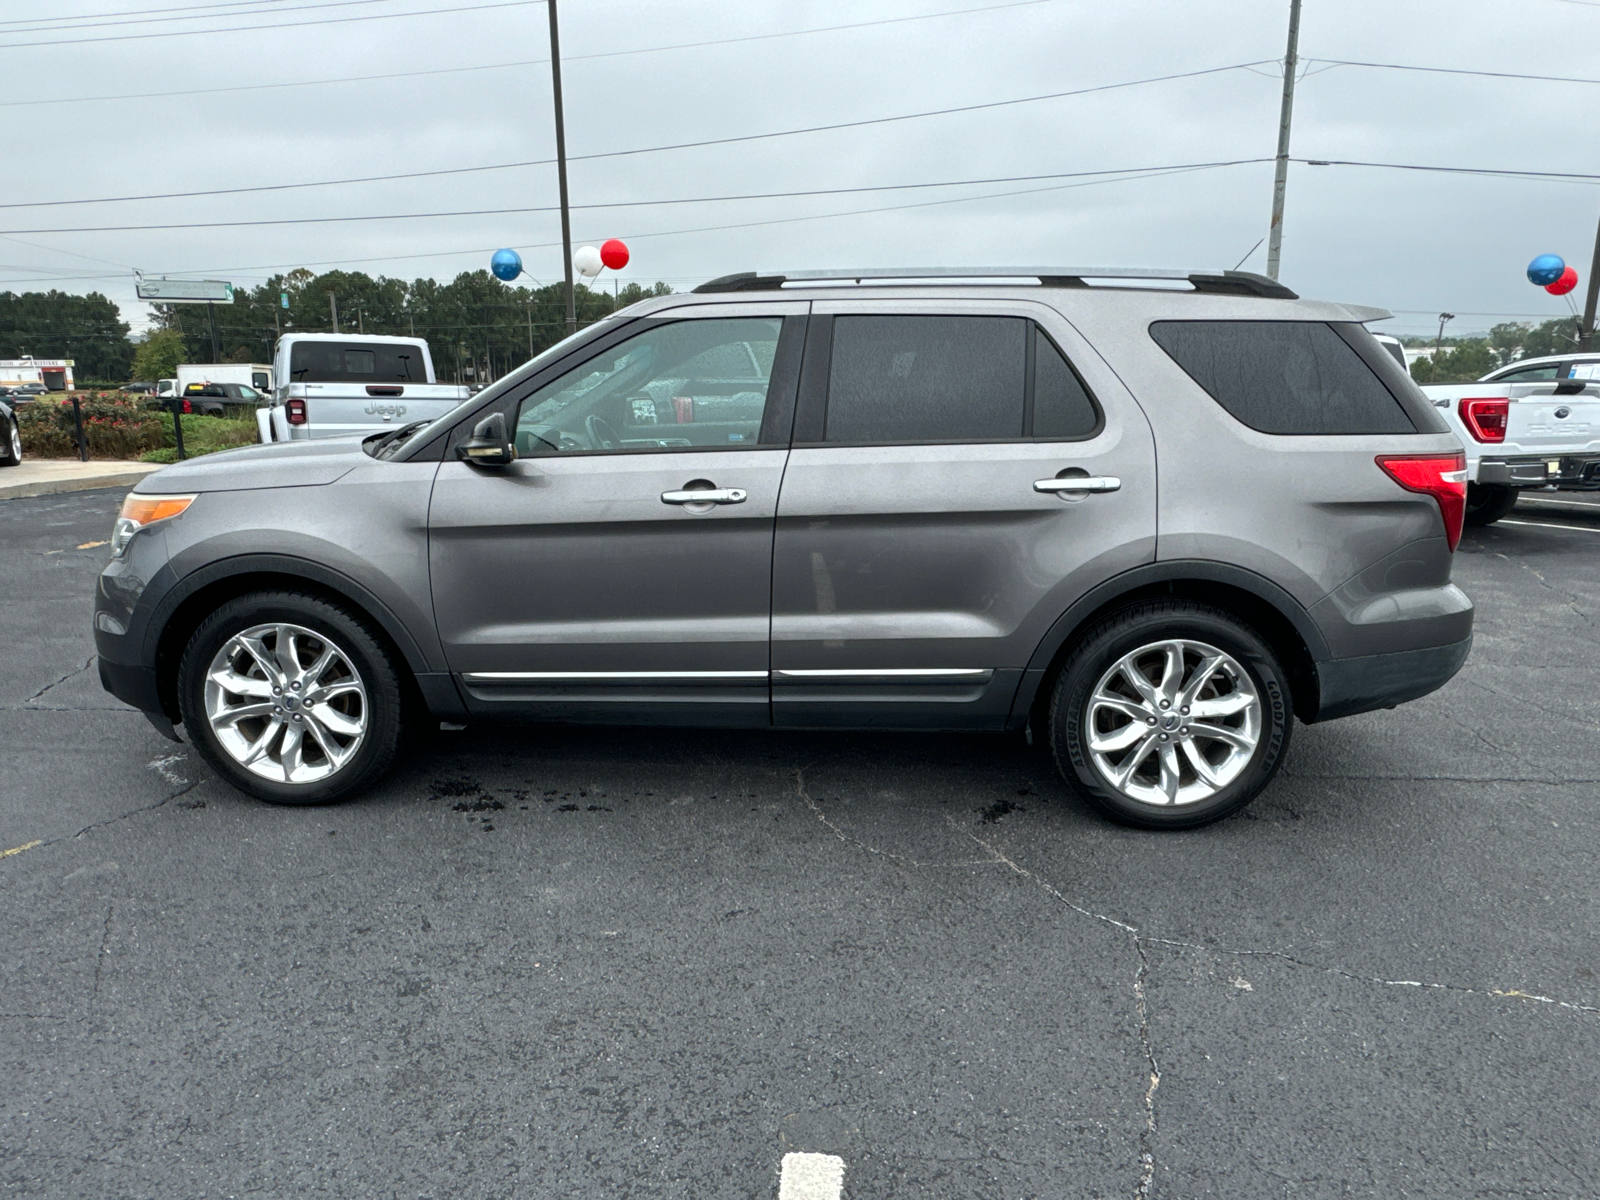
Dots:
(1079, 483)
(706, 496)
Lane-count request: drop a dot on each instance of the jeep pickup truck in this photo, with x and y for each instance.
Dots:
(333, 384)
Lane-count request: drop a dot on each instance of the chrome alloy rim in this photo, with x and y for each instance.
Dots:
(286, 703)
(1173, 723)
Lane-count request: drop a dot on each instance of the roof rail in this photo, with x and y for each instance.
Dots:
(1236, 283)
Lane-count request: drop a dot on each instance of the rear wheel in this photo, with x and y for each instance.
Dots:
(1170, 715)
(1488, 502)
(10, 444)
(290, 698)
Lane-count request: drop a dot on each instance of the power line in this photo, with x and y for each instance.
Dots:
(143, 11)
(498, 212)
(1493, 172)
(527, 62)
(139, 20)
(1339, 62)
(135, 37)
(542, 162)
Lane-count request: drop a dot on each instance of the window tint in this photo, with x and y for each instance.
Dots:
(1529, 374)
(678, 386)
(1285, 377)
(339, 362)
(926, 379)
(1061, 406)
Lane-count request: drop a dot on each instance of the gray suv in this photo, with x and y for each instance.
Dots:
(1149, 516)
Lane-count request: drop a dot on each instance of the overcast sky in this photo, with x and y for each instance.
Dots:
(1413, 242)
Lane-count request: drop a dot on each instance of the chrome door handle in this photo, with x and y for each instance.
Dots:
(1079, 483)
(706, 496)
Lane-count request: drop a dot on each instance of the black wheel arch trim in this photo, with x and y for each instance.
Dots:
(1166, 571)
(279, 564)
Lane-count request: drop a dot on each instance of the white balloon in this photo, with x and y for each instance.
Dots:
(586, 260)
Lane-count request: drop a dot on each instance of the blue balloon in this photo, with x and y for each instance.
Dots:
(507, 265)
(1546, 269)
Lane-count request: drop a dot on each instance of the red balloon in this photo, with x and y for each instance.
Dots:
(615, 255)
(1568, 281)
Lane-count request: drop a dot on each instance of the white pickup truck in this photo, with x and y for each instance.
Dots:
(333, 384)
(1531, 424)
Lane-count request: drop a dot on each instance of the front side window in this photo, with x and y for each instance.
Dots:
(1284, 377)
(683, 385)
(340, 362)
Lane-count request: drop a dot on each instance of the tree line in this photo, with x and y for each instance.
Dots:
(87, 329)
(1462, 360)
(477, 327)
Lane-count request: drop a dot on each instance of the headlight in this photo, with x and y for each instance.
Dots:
(139, 511)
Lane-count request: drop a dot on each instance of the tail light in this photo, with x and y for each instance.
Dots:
(295, 410)
(1485, 419)
(187, 407)
(1442, 476)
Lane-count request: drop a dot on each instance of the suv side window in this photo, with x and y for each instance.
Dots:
(1530, 374)
(1284, 377)
(680, 385)
(910, 379)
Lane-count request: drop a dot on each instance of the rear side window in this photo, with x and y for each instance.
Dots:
(909, 379)
(1284, 377)
(341, 362)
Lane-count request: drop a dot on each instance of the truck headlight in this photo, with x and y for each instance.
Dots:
(139, 511)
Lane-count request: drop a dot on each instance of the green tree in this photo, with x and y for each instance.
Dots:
(87, 329)
(158, 355)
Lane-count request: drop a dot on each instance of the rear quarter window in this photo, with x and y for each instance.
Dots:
(1301, 378)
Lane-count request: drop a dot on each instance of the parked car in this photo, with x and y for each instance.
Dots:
(137, 388)
(10, 435)
(1150, 526)
(212, 399)
(26, 393)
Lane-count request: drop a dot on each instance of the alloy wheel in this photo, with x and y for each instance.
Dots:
(1173, 723)
(286, 703)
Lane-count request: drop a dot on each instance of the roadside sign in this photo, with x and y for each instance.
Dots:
(185, 291)
(283, 299)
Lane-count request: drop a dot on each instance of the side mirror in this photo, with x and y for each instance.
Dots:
(488, 446)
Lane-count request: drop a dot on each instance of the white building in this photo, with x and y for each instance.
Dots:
(54, 373)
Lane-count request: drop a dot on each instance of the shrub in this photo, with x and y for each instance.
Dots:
(202, 435)
(114, 427)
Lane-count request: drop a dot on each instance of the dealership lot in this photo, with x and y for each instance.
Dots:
(624, 962)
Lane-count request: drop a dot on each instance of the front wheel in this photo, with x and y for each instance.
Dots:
(1169, 715)
(11, 449)
(290, 698)
(1488, 502)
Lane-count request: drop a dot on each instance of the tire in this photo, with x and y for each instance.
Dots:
(10, 444)
(1246, 680)
(1488, 502)
(304, 753)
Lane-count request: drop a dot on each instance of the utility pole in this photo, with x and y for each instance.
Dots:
(1586, 334)
(216, 342)
(561, 165)
(333, 307)
(530, 328)
(361, 322)
(1438, 342)
(1280, 178)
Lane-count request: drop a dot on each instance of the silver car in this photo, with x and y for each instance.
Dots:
(1150, 517)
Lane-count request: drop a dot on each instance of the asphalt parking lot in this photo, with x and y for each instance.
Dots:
(625, 963)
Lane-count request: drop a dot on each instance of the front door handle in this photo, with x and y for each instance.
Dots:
(706, 496)
(1079, 483)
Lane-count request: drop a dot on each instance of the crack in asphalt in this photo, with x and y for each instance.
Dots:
(162, 767)
(87, 663)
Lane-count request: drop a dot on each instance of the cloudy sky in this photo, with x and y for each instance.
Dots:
(120, 98)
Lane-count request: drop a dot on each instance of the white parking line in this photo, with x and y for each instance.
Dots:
(1547, 525)
(811, 1177)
